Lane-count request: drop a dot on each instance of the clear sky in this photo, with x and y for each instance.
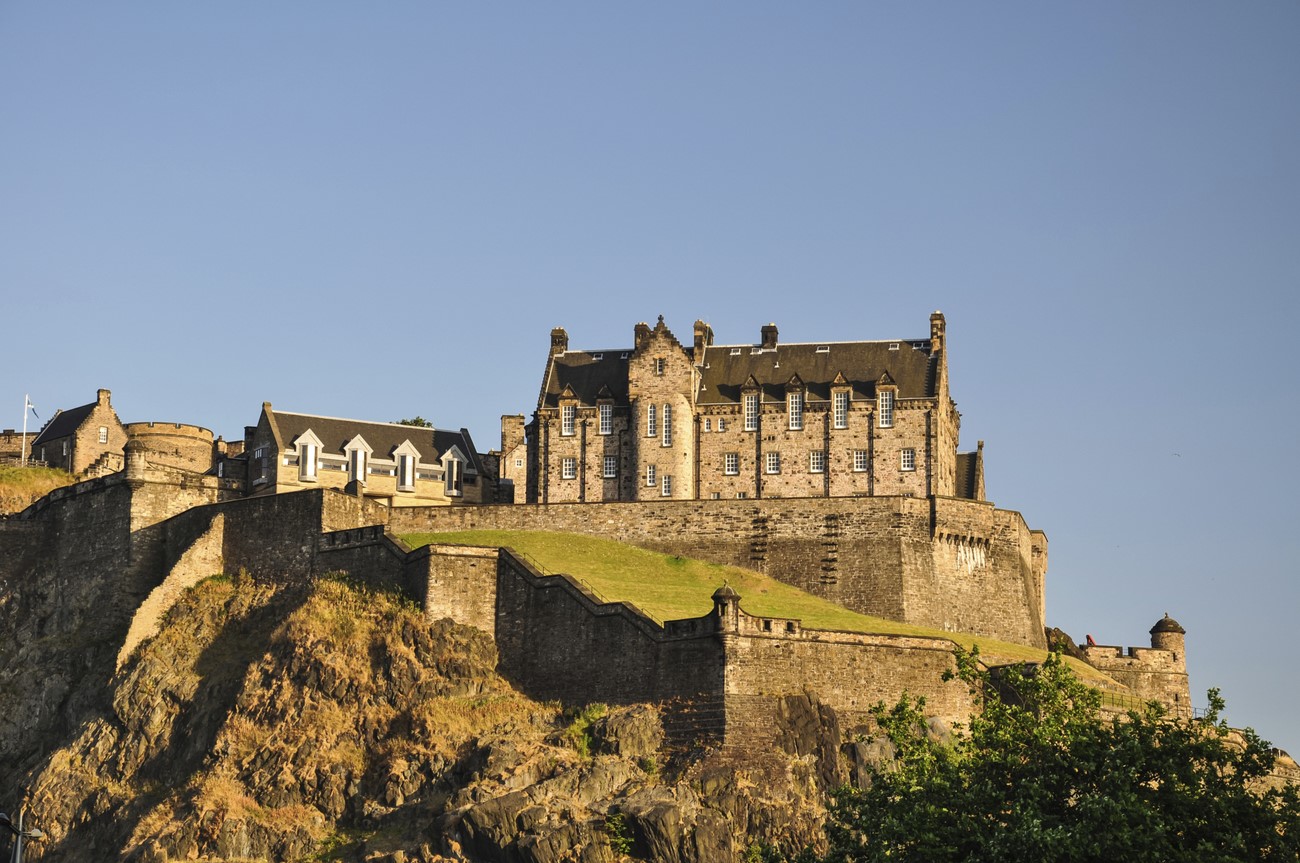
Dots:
(376, 210)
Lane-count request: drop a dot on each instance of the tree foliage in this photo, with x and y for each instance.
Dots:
(1041, 774)
(416, 420)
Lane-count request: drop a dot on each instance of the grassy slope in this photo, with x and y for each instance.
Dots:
(668, 588)
(20, 486)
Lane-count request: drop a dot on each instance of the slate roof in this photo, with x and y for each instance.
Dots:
(593, 375)
(64, 423)
(726, 368)
(383, 438)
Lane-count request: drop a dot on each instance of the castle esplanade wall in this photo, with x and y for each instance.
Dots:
(953, 564)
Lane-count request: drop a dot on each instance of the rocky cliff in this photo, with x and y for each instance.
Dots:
(331, 722)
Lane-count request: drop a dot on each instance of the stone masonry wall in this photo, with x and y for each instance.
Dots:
(873, 555)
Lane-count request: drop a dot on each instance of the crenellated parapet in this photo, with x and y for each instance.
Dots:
(1155, 673)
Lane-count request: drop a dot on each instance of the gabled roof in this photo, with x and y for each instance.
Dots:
(591, 375)
(726, 368)
(64, 423)
(384, 438)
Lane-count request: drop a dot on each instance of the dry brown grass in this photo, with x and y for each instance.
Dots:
(20, 487)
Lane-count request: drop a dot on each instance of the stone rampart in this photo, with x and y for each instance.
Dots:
(178, 445)
(952, 564)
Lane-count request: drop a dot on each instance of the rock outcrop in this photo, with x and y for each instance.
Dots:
(331, 722)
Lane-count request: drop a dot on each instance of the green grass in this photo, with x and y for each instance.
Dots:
(20, 486)
(665, 587)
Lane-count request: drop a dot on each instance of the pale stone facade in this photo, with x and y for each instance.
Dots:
(393, 464)
(664, 421)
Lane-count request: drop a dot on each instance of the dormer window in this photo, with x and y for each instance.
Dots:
(308, 446)
(453, 473)
(407, 458)
(358, 459)
(567, 413)
(794, 410)
(885, 408)
(751, 411)
(606, 419)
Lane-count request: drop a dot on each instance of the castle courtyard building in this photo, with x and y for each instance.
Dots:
(662, 420)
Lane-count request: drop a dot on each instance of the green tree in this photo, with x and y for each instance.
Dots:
(416, 420)
(1042, 775)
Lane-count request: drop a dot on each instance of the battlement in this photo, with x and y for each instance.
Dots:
(1155, 673)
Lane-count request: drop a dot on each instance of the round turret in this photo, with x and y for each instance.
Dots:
(1168, 634)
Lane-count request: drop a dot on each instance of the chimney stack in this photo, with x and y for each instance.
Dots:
(703, 339)
(769, 336)
(559, 341)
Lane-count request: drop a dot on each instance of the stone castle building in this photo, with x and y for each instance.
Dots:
(661, 420)
(78, 438)
(393, 464)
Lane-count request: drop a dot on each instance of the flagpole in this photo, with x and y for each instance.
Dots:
(27, 403)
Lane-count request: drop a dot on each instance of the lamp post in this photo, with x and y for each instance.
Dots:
(19, 835)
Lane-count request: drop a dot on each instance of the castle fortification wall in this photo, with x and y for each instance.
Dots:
(953, 564)
(1151, 674)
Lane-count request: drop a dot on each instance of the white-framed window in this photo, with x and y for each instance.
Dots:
(65, 448)
(651, 421)
(519, 462)
(860, 460)
(650, 475)
(714, 495)
(453, 478)
(751, 411)
(907, 461)
(741, 495)
(659, 365)
(885, 407)
(722, 424)
(103, 434)
(306, 462)
(606, 419)
(772, 462)
(357, 465)
(666, 486)
(794, 408)
(817, 461)
(567, 413)
(708, 424)
(840, 410)
(568, 468)
(668, 426)
(731, 463)
(611, 466)
(259, 459)
(405, 472)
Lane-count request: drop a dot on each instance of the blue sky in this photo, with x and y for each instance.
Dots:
(378, 210)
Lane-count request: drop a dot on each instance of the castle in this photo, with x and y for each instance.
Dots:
(908, 537)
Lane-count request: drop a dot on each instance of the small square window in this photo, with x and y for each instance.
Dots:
(569, 468)
(519, 462)
(714, 495)
(908, 460)
(741, 495)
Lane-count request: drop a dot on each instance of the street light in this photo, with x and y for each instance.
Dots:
(19, 835)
